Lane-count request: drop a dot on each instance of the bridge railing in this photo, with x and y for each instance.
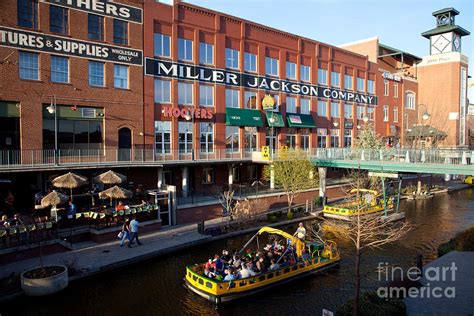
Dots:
(424, 156)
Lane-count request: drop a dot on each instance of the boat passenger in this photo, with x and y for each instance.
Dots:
(248, 254)
(236, 262)
(285, 262)
(226, 258)
(4, 222)
(300, 232)
(246, 271)
(209, 274)
(305, 256)
(230, 275)
(219, 264)
(260, 266)
(210, 265)
(274, 266)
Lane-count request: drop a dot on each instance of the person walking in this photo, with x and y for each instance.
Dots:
(134, 230)
(125, 233)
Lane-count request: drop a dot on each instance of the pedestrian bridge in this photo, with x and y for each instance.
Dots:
(436, 161)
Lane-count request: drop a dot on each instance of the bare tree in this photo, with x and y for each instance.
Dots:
(293, 171)
(364, 232)
(226, 199)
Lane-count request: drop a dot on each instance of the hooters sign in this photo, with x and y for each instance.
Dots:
(188, 113)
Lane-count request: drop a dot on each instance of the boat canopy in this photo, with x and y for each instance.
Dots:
(299, 245)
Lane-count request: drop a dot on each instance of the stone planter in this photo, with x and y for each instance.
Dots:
(47, 285)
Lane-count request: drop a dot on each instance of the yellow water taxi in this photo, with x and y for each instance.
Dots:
(368, 202)
(322, 255)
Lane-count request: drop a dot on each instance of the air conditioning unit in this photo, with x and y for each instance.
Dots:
(88, 112)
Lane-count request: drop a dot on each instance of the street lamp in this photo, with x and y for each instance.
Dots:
(52, 108)
(272, 120)
(191, 117)
(365, 118)
(425, 115)
(335, 123)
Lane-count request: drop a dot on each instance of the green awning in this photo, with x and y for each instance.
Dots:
(274, 119)
(300, 120)
(243, 117)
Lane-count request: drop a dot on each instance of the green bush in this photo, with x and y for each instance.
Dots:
(318, 201)
(290, 215)
(463, 241)
(272, 218)
(371, 304)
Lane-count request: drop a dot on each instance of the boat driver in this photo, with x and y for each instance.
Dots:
(300, 232)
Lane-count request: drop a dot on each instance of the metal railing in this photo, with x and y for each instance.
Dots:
(37, 159)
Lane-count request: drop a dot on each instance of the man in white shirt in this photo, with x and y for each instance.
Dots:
(300, 232)
(134, 230)
(245, 272)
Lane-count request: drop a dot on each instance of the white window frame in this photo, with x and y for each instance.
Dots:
(184, 43)
(291, 105)
(204, 49)
(410, 99)
(250, 62)
(385, 113)
(348, 115)
(161, 37)
(359, 81)
(335, 110)
(271, 66)
(322, 76)
(234, 102)
(26, 64)
(395, 114)
(187, 87)
(395, 90)
(290, 70)
(305, 73)
(208, 91)
(335, 79)
(128, 77)
(348, 82)
(248, 94)
(159, 84)
(305, 106)
(232, 58)
(386, 88)
(370, 86)
(325, 107)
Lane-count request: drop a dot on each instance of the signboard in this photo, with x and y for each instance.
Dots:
(268, 102)
(322, 131)
(266, 153)
(39, 42)
(187, 113)
(105, 8)
(453, 116)
(284, 149)
(393, 77)
(168, 69)
(383, 175)
(348, 125)
(295, 119)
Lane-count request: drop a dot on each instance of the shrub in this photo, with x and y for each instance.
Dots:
(371, 304)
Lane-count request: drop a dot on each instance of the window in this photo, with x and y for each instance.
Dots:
(250, 62)
(252, 172)
(27, 11)
(95, 27)
(185, 137)
(335, 79)
(271, 137)
(348, 108)
(162, 91)
(395, 114)
(322, 76)
(207, 137)
(28, 65)
(334, 138)
(73, 134)
(59, 69)
(271, 66)
(395, 90)
(185, 49)
(347, 138)
(322, 108)
(250, 100)
(290, 70)
(370, 113)
(162, 45)
(58, 19)
(304, 106)
(232, 138)
(96, 73)
(231, 58)
(163, 137)
(185, 93)
(322, 138)
(207, 175)
(120, 32)
(348, 84)
(121, 76)
(291, 105)
(206, 95)
(304, 138)
(335, 109)
(370, 86)
(386, 88)
(360, 84)
(232, 98)
(250, 139)
(385, 113)
(305, 73)
(410, 100)
(291, 137)
(206, 53)
(360, 112)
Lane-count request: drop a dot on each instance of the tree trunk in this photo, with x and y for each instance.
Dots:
(357, 285)
(290, 201)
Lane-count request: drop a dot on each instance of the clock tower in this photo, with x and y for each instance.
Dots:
(446, 36)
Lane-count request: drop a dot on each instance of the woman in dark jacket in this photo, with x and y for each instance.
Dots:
(125, 232)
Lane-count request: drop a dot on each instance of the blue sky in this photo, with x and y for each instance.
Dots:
(397, 23)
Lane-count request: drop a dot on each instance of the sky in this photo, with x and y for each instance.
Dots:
(397, 23)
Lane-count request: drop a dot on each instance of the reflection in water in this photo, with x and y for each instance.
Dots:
(156, 287)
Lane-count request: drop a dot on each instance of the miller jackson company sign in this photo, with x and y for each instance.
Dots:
(105, 8)
(39, 42)
(162, 68)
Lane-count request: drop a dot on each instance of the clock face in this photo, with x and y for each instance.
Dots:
(440, 44)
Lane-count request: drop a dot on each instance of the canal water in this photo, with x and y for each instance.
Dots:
(155, 287)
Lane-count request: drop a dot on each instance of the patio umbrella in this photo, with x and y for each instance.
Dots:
(69, 181)
(115, 192)
(53, 199)
(110, 177)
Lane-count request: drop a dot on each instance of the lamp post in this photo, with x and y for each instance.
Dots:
(52, 108)
(191, 117)
(272, 120)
